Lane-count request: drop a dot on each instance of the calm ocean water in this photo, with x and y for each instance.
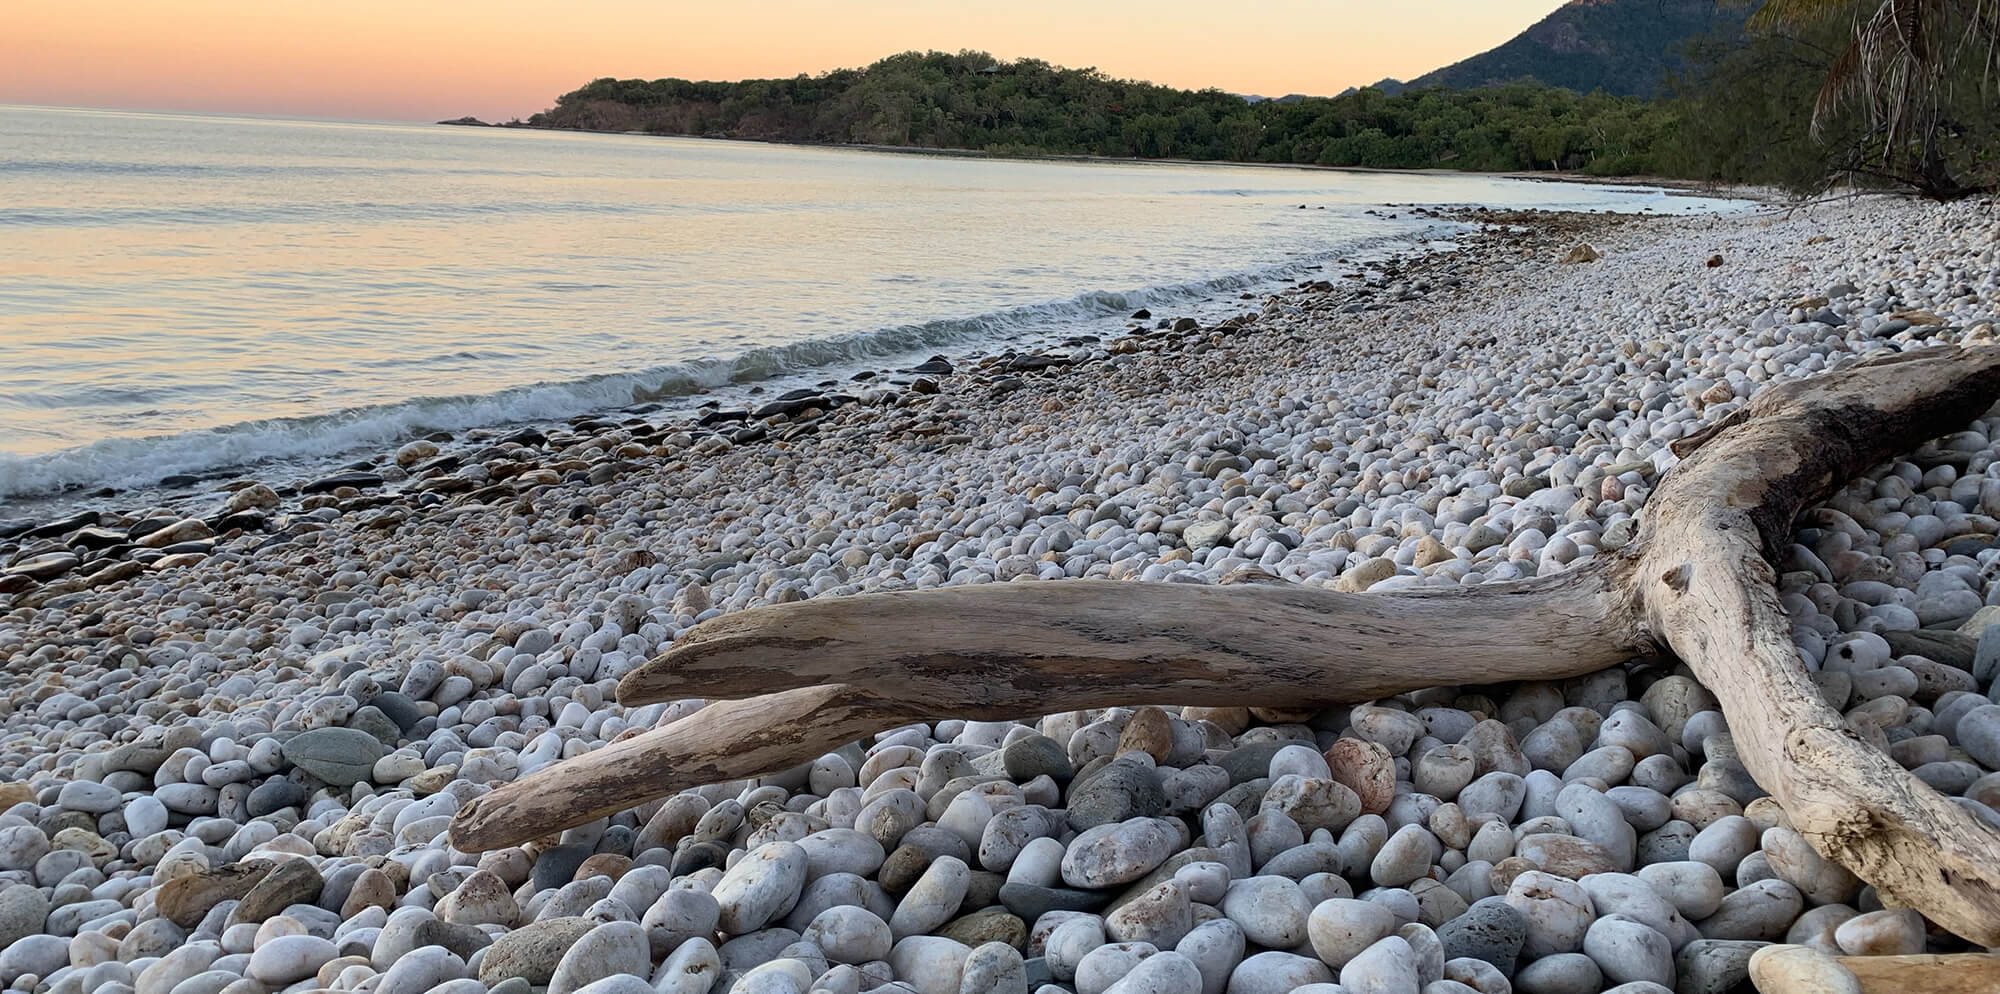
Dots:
(181, 294)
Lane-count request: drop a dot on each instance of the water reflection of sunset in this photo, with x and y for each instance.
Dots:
(504, 58)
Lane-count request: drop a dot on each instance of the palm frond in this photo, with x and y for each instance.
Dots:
(1782, 15)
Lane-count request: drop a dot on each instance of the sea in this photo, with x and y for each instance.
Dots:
(207, 296)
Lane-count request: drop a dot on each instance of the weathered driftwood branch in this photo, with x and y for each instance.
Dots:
(1697, 581)
(1966, 973)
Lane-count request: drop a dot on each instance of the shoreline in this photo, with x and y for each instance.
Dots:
(259, 744)
(1678, 187)
(735, 401)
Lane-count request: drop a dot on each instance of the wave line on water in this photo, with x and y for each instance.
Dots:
(132, 462)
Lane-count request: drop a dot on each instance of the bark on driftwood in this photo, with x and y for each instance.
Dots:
(1697, 581)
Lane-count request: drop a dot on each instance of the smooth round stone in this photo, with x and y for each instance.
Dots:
(1556, 909)
(1713, 966)
(1695, 889)
(1300, 760)
(929, 964)
(1498, 793)
(1109, 963)
(1628, 950)
(1120, 791)
(1631, 896)
(1162, 916)
(339, 756)
(1214, 947)
(934, 899)
(850, 935)
(1314, 803)
(1724, 843)
(1069, 942)
(994, 968)
(1761, 911)
(1032, 756)
(609, 949)
(144, 816)
(1897, 932)
(1276, 973)
(290, 958)
(1109, 855)
(841, 850)
(626, 984)
(1476, 975)
(1565, 973)
(680, 914)
(1594, 817)
(1388, 966)
(91, 798)
(1271, 910)
(1160, 973)
(1795, 862)
(1340, 928)
(1797, 968)
(761, 887)
(424, 968)
(1407, 856)
(532, 951)
(691, 969)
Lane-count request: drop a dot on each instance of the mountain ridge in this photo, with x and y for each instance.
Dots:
(1627, 48)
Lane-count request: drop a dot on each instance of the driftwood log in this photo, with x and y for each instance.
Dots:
(1968, 973)
(798, 680)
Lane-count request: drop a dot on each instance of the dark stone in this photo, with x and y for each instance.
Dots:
(1490, 930)
(1031, 756)
(691, 858)
(94, 537)
(357, 479)
(292, 881)
(1119, 791)
(1031, 902)
(557, 866)
(461, 940)
(1029, 363)
(1714, 966)
(399, 709)
(1250, 762)
(60, 526)
(1947, 647)
(275, 795)
(249, 521)
(370, 719)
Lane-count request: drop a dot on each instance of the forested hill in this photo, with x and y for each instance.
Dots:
(970, 100)
(1627, 47)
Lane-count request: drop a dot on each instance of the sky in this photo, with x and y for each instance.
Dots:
(423, 60)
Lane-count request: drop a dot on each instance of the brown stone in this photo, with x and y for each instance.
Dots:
(185, 901)
(1367, 769)
(1234, 721)
(292, 881)
(372, 889)
(1150, 731)
(604, 864)
(981, 927)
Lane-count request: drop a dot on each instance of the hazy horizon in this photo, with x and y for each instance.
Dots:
(378, 60)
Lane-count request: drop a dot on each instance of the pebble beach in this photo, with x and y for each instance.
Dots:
(235, 725)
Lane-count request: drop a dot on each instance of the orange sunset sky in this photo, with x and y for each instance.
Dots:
(421, 60)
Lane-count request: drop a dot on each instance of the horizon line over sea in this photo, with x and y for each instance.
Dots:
(186, 292)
